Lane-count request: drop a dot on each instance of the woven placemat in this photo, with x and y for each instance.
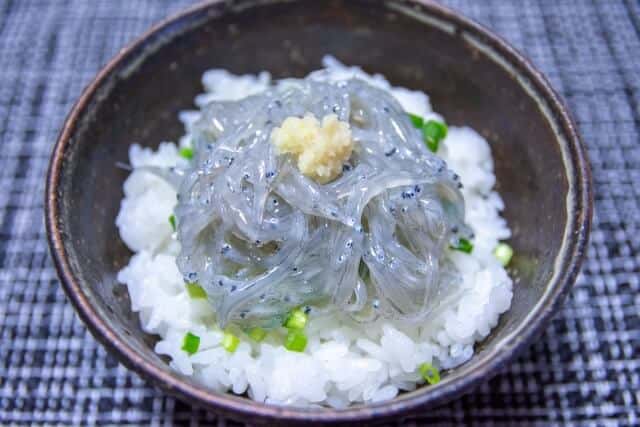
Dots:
(585, 370)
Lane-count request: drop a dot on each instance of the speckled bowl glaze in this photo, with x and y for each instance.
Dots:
(472, 76)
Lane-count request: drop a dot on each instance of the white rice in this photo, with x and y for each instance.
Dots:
(344, 362)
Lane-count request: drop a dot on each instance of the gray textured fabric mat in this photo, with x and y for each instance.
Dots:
(585, 370)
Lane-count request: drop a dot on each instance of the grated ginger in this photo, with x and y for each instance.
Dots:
(320, 149)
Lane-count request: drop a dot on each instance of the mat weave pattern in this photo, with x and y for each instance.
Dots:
(585, 370)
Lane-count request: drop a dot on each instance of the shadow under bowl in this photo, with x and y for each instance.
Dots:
(472, 77)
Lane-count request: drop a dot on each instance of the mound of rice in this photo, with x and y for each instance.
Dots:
(345, 362)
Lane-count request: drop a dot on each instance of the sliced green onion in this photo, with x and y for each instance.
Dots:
(296, 340)
(416, 121)
(433, 132)
(463, 246)
(186, 152)
(296, 320)
(172, 221)
(430, 373)
(195, 291)
(230, 342)
(257, 334)
(504, 253)
(190, 343)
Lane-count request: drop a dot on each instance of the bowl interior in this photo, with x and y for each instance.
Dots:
(139, 101)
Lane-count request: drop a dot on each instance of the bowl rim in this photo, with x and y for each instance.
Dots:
(568, 261)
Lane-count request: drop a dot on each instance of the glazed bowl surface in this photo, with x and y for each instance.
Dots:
(472, 77)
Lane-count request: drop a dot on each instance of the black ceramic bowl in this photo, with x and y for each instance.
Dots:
(472, 77)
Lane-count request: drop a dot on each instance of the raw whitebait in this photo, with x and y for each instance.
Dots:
(262, 239)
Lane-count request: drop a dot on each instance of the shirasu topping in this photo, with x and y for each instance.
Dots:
(263, 239)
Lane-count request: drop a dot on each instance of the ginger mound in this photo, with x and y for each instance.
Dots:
(320, 149)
